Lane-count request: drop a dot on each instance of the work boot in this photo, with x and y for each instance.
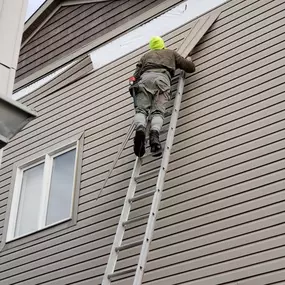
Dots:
(139, 141)
(155, 145)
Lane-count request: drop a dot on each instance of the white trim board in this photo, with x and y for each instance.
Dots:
(41, 82)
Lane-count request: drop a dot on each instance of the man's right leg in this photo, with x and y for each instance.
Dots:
(142, 102)
(157, 116)
(160, 98)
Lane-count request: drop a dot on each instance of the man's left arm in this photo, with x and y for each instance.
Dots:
(184, 64)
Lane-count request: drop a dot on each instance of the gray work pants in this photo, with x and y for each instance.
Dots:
(150, 99)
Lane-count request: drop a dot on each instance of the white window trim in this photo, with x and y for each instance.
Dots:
(47, 158)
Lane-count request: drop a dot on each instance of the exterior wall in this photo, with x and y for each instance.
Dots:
(222, 215)
(72, 27)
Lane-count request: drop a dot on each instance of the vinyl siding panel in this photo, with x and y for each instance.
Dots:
(221, 220)
(73, 27)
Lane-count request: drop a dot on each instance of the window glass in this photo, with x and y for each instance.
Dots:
(61, 188)
(30, 197)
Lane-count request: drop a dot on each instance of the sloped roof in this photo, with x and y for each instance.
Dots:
(46, 12)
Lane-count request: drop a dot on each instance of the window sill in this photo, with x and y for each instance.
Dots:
(42, 233)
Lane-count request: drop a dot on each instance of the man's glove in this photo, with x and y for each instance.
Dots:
(132, 80)
(133, 85)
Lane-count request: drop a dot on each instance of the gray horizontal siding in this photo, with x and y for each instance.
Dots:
(74, 27)
(74, 15)
(46, 110)
(60, 110)
(267, 278)
(172, 42)
(222, 215)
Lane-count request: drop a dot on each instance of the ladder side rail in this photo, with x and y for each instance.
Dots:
(160, 183)
(123, 218)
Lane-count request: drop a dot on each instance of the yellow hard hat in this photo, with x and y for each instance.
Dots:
(156, 43)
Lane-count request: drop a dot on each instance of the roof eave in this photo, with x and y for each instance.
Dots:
(45, 10)
(40, 15)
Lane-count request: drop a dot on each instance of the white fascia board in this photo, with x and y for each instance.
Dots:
(41, 82)
(5, 140)
(13, 117)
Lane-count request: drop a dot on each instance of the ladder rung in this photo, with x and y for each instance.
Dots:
(122, 272)
(135, 219)
(129, 245)
(146, 174)
(142, 196)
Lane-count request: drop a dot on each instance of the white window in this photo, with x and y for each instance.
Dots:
(43, 193)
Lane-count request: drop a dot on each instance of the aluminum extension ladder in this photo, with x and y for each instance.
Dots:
(197, 31)
(117, 247)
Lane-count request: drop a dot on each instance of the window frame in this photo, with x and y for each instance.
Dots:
(45, 156)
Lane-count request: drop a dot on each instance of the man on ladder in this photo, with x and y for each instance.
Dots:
(150, 88)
